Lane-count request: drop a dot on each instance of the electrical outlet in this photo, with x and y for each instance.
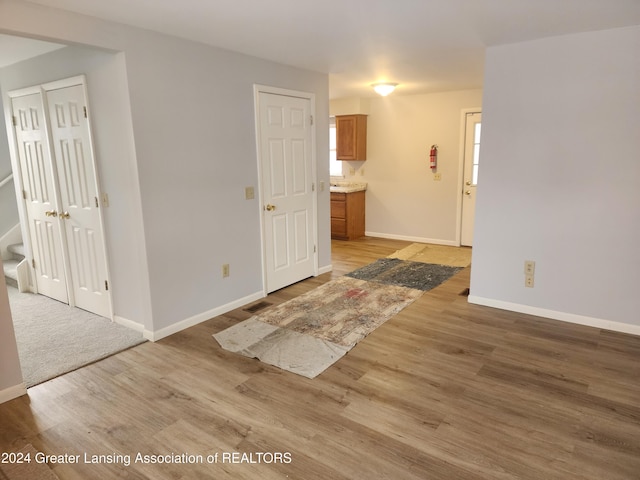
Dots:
(249, 193)
(361, 171)
(225, 270)
(528, 281)
(529, 267)
(352, 171)
(437, 177)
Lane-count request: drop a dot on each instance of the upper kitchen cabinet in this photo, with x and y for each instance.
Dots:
(351, 137)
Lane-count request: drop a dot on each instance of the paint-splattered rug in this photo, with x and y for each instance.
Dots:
(309, 333)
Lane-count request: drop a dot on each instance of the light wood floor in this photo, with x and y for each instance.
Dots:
(444, 390)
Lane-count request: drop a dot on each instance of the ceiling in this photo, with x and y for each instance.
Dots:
(424, 45)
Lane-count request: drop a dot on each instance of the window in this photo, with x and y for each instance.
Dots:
(335, 165)
(476, 153)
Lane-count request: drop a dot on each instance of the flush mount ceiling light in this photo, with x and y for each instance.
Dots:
(384, 89)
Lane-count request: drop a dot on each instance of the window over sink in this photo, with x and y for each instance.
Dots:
(335, 166)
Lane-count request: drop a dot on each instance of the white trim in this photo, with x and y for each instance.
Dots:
(461, 149)
(6, 180)
(322, 270)
(13, 235)
(434, 241)
(555, 315)
(125, 322)
(21, 92)
(154, 336)
(257, 90)
(12, 392)
(65, 83)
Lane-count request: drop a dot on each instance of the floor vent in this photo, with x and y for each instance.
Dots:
(258, 306)
(464, 293)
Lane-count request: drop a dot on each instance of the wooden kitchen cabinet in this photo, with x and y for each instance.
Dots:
(351, 137)
(347, 215)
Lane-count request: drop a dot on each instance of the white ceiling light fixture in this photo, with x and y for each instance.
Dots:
(385, 88)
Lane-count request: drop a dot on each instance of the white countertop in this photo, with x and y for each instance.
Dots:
(347, 187)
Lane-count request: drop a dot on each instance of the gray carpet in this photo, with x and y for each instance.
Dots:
(403, 273)
(54, 338)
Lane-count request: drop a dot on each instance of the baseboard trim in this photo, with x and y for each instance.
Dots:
(323, 270)
(12, 392)
(433, 241)
(555, 315)
(154, 336)
(125, 322)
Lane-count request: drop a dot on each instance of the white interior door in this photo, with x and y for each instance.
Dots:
(79, 198)
(39, 192)
(471, 166)
(285, 142)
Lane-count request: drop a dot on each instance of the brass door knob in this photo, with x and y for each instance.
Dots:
(270, 207)
(51, 213)
(468, 192)
(469, 183)
(65, 215)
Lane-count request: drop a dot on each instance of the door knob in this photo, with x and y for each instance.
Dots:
(51, 213)
(468, 182)
(65, 215)
(468, 192)
(270, 207)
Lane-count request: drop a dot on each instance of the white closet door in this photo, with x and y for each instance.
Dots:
(79, 198)
(39, 191)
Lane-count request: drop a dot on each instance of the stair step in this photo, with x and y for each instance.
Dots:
(11, 271)
(17, 249)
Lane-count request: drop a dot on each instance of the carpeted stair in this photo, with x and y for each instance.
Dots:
(16, 255)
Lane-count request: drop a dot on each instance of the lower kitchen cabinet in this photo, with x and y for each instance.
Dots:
(347, 215)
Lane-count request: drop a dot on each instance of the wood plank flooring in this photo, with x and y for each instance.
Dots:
(445, 390)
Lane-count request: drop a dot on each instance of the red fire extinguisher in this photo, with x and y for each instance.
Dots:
(433, 157)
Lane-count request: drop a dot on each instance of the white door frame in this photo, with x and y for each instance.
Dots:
(79, 80)
(257, 90)
(463, 127)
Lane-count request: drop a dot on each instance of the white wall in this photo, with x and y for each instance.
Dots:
(183, 113)
(194, 125)
(111, 120)
(559, 179)
(402, 199)
(8, 206)
(11, 384)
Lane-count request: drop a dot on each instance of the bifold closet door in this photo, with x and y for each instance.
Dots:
(39, 192)
(79, 198)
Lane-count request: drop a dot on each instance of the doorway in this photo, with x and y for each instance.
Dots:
(286, 164)
(472, 130)
(56, 171)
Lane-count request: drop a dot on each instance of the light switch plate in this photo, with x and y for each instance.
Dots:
(529, 267)
(249, 193)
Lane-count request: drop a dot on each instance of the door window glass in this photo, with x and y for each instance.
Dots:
(476, 153)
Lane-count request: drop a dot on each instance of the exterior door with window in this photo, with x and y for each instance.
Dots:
(285, 145)
(471, 166)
